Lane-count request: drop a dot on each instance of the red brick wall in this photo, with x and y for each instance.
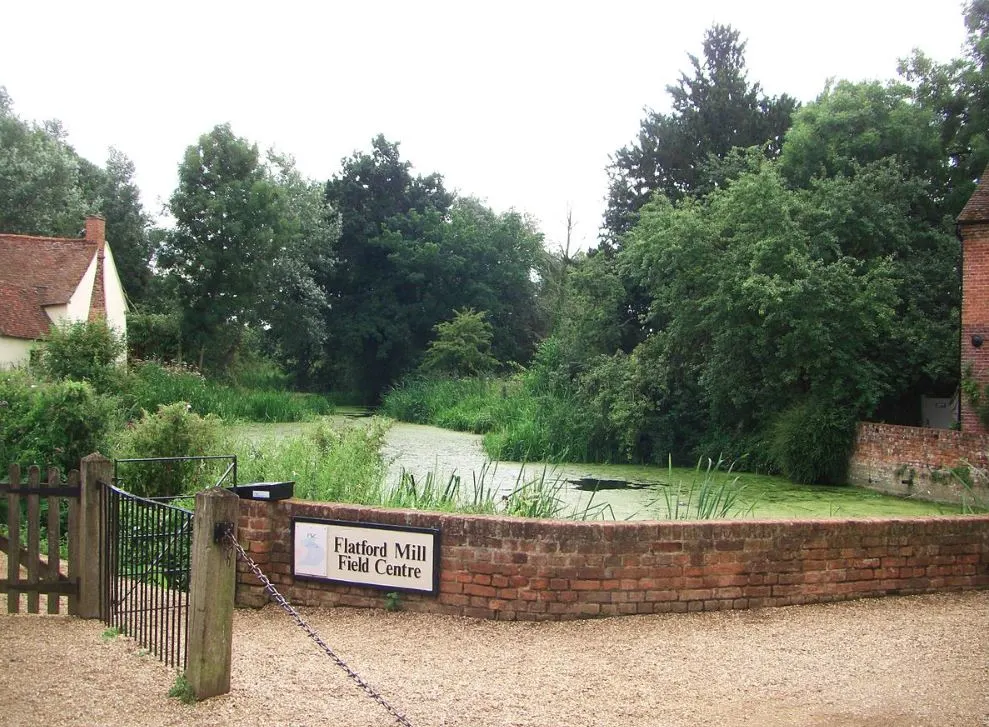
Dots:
(508, 568)
(917, 462)
(975, 314)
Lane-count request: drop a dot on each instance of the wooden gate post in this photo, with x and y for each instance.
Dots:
(96, 469)
(211, 594)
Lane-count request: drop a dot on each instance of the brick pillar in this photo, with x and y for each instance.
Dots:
(973, 229)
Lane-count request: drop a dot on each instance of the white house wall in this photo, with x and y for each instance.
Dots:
(116, 302)
(14, 351)
(78, 307)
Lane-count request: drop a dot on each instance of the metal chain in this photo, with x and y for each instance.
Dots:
(300, 622)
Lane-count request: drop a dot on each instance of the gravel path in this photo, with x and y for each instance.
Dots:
(908, 661)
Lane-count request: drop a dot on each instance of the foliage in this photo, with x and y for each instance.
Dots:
(172, 431)
(182, 690)
(39, 177)
(407, 256)
(812, 441)
(327, 464)
(462, 346)
(111, 192)
(47, 189)
(713, 110)
(707, 496)
(153, 384)
(152, 335)
(52, 423)
(83, 351)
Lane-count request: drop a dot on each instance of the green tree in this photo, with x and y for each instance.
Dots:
(111, 192)
(383, 210)
(713, 110)
(957, 94)
(39, 177)
(462, 346)
(227, 219)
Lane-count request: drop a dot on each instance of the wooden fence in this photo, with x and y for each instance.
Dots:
(39, 507)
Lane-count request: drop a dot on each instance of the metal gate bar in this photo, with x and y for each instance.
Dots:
(146, 579)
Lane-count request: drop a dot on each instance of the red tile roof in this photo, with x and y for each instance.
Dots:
(21, 314)
(39, 271)
(977, 208)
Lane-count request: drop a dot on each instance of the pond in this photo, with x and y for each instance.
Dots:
(638, 492)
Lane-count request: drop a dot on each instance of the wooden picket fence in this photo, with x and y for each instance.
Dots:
(32, 573)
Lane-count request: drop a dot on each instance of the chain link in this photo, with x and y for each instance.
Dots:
(300, 622)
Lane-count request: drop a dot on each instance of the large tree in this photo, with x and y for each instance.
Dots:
(714, 109)
(227, 226)
(957, 94)
(111, 192)
(40, 192)
(383, 208)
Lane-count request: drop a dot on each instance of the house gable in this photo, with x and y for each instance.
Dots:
(48, 279)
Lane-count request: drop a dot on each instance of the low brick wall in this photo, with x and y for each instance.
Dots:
(508, 568)
(918, 462)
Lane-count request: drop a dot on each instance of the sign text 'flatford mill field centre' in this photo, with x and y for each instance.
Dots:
(367, 554)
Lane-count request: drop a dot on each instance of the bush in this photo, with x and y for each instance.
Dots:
(811, 442)
(154, 336)
(52, 423)
(173, 431)
(83, 351)
(153, 385)
(326, 464)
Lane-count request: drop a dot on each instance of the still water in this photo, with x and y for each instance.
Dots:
(630, 491)
(623, 491)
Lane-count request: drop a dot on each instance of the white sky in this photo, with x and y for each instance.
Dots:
(518, 103)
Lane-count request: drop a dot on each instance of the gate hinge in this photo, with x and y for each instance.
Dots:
(222, 531)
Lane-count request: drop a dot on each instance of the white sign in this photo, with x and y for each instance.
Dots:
(368, 554)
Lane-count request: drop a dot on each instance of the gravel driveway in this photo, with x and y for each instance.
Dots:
(907, 661)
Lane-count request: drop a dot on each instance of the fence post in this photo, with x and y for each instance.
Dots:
(211, 594)
(96, 470)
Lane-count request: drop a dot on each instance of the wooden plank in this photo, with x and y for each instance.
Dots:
(33, 536)
(14, 550)
(54, 543)
(211, 595)
(97, 472)
(42, 560)
(73, 538)
(65, 588)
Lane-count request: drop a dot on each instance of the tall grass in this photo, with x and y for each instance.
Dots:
(519, 424)
(327, 464)
(710, 494)
(153, 384)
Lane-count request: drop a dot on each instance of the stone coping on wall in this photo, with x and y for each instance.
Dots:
(512, 568)
(941, 465)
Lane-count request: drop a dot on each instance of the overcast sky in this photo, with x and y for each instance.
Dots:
(518, 103)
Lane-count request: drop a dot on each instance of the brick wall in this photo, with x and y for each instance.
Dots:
(508, 568)
(975, 314)
(918, 462)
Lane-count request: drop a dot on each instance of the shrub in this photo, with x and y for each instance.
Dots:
(154, 336)
(811, 442)
(83, 351)
(173, 431)
(326, 464)
(52, 423)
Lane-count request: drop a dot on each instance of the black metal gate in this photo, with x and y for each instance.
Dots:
(147, 544)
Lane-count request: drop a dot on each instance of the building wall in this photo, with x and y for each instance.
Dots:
(942, 465)
(78, 306)
(116, 302)
(975, 315)
(513, 568)
(14, 351)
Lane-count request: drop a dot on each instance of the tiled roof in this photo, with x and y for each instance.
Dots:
(47, 268)
(21, 314)
(977, 208)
